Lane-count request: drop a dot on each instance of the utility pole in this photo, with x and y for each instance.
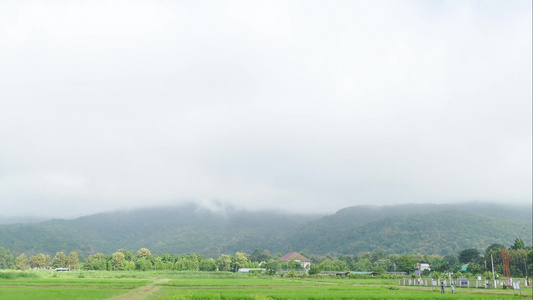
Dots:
(493, 280)
(525, 267)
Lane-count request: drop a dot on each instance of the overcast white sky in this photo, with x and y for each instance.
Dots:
(294, 105)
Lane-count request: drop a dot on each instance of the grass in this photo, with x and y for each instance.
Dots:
(321, 292)
(57, 293)
(166, 285)
(15, 275)
(44, 284)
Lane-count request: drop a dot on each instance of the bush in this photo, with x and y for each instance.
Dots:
(314, 270)
(380, 270)
(291, 274)
(14, 275)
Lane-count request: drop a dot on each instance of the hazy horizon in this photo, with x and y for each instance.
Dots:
(225, 209)
(298, 106)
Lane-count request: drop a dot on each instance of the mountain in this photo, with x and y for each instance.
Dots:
(183, 229)
(426, 228)
(21, 220)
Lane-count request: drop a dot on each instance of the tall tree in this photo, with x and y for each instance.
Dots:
(467, 256)
(73, 260)
(39, 261)
(6, 258)
(117, 260)
(406, 264)
(143, 253)
(494, 248)
(518, 244)
(95, 262)
(224, 262)
(239, 261)
(128, 255)
(60, 260)
(21, 262)
(259, 255)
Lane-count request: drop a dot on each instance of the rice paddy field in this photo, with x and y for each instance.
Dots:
(183, 285)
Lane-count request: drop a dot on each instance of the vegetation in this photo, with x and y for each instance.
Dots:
(43, 284)
(402, 229)
(343, 235)
(521, 259)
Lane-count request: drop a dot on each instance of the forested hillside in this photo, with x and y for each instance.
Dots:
(426, 228)
(184, 229)
(430, 229)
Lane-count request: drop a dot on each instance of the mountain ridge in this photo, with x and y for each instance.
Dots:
(427, 228)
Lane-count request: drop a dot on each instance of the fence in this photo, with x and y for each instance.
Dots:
(461, 282)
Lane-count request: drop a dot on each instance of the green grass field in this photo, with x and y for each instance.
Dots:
(174, 285)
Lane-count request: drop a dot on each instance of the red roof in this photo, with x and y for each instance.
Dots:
(295, 256)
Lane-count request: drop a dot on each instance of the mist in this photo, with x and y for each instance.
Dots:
(299, 106)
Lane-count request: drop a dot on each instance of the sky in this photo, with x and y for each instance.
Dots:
(298, 106)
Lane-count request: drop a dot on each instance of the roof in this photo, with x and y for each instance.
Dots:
(295, 256)
(366, 273)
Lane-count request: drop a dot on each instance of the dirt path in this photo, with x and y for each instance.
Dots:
(140, 293)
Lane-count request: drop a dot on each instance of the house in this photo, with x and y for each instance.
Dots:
(304, 261)
(249, 270)
(62, 269)
(366, 273)
(422, 267)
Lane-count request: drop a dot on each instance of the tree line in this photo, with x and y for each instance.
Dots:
(520, 258)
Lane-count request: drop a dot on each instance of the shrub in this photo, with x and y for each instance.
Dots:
(14, 275)
(314, 270)
(291, 274)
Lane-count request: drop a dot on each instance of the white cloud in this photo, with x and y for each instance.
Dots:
(262, 17)
(291, 105)
(88, 20)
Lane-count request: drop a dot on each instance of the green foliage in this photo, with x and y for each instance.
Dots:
(518, 244)
(442, 267)
(406, 229)
(208, 264)
(314, 269)
(272, 267)
(21, 262)
(406, 264)
(224, 263)
(15, 275)
(95, 262)
(291, 274)
(384, 263)
(494, 248)
(39, 261)
(143, 253)
(259, 255)
(435, 229)
(60, 260)
(73, 260)
(239, 261)
(7, 260)
(143, 264)
(118, 260)
(469, 256)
